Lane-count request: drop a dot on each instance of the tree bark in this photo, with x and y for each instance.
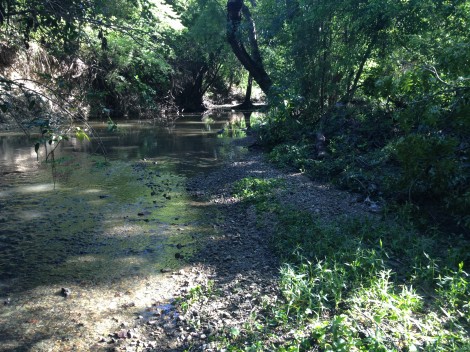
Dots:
(247, 101)
(352, 89)
(252, 63)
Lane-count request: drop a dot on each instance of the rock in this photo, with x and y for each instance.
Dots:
(113, 340)
(121, 334)
(166, 270)
(180, 319)
(375, 208)
(226, 315)
(66, 292)
(152, 344)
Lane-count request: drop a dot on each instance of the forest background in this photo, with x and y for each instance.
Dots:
(370, 95)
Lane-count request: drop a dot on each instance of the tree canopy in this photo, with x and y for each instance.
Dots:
(370, 95)
(381, 74)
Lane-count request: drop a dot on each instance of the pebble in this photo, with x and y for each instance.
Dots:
(66, 292)
(238, 251)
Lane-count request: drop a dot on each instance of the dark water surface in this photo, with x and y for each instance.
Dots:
(102, 229)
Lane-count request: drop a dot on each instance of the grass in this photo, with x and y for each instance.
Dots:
(359, 285)
(197, 294)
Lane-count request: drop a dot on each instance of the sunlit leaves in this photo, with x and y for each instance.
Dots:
(81, 134)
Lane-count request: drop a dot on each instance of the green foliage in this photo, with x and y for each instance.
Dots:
(81, 134)
(197, 294)
(454, 291)
(298, 156)
(428, 163)
(387, 84)
(255, 189)
(361, 285)
(105, 55)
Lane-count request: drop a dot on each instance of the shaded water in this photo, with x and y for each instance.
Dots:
(104, 230)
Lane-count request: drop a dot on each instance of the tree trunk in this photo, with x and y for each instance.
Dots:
(247, 101)
(247, 116)
(352, 89)
(190, 99)
(253, 62)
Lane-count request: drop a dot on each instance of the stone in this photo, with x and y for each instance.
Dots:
(66, 292)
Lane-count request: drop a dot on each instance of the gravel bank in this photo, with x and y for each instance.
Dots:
(235, 271)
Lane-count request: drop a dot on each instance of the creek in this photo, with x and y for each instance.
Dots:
(104, 229)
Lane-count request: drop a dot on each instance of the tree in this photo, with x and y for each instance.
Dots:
(121, 48)
(200, 54)
(235, 35)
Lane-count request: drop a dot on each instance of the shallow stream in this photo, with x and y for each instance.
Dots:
(102, 229)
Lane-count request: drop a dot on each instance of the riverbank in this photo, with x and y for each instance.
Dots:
(256, 258)
(299, 265)
(236, 273)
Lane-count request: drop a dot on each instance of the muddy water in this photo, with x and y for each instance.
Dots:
(102, 229)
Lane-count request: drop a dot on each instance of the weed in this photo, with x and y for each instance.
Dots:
(358, 285)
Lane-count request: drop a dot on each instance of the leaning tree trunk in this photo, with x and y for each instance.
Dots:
(252, 63)
(247, 104)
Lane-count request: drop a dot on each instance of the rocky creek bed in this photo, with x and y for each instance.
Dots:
(234, 272)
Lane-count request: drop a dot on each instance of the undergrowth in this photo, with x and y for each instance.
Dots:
(379, 154)
(358, 285)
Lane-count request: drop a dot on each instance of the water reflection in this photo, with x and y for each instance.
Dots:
(187, 135)
(102, 226)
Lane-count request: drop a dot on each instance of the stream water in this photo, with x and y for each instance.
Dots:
(102, 229)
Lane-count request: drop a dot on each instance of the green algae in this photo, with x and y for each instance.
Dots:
(104, 228)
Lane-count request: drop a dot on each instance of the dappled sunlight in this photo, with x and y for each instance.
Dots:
(39, 188)
(46, 187)
(123, 230)
(94, 309)
(106, 231)
(92, 190)
(31, 215)
(126, 147)
(82, 259)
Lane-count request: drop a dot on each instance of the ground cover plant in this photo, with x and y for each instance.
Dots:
(357, 284)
